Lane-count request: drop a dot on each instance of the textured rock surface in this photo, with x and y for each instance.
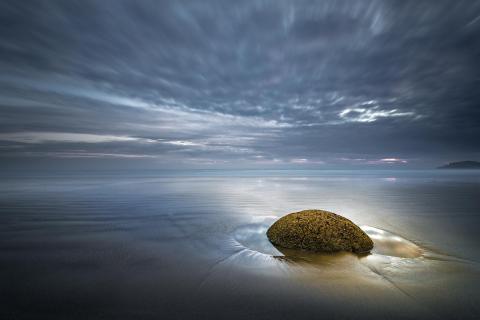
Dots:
(318, 230)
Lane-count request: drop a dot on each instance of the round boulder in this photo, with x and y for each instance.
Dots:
(318, 230)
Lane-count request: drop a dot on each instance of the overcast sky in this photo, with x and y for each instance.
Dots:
(257, 84)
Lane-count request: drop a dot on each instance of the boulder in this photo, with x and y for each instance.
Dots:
(318, 230)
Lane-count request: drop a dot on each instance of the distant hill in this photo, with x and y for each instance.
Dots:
(462, 165)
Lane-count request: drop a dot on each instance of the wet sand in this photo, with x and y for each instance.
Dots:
(398, 275)
(187, 247)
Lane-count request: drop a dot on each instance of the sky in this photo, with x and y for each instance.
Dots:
(239, 84)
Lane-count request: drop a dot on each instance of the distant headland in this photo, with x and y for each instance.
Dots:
(462, 165)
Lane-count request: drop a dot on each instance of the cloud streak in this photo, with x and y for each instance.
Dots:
(49, 137)
(372, 114)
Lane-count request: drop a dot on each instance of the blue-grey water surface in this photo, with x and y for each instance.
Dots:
(192, 245)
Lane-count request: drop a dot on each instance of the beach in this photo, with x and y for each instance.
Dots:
(192, 244)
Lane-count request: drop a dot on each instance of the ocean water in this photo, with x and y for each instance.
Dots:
(192, 245)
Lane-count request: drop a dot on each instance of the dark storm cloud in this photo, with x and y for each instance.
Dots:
(260, 82)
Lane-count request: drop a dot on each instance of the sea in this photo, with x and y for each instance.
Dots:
(192, 245)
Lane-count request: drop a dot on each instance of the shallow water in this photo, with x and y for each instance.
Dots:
(192, 244)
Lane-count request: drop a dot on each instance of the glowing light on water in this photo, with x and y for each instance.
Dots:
(390, 244)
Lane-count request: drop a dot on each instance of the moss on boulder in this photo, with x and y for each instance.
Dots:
(318, 230)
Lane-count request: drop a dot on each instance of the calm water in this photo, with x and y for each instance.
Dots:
(192, 244)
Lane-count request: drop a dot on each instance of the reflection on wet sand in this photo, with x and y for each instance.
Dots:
(381, 273)
(389, 244)
(394, 262)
